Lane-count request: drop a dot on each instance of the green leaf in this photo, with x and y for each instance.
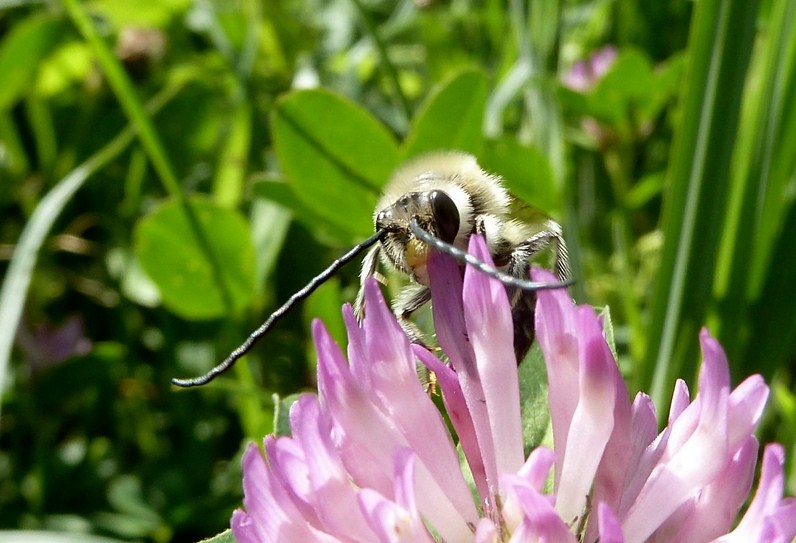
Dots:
(336, 156)
(21, 52)
(282, 413)
(451, 118)
(630, 93)
(279, 191)
(534, 407)
(224, 537)
(166, 245)
(627, 84)
(608, 329)
(665, 85)
(526, 172)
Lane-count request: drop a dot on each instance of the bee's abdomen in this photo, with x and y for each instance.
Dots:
(522, 314)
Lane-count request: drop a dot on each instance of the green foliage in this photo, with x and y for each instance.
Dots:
(23, 49)
(450, 118)
(313, 132)
(188, 284)
(536, 427)
(171, 172)
(224, 537)
(282, 414)
(527, 173)
(724, 199)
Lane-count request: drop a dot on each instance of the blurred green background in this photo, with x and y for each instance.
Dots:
(172, 171)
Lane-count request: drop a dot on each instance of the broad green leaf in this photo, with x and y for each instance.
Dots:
(166, 245)
(21, 53)
(336, 156)
(626, 85)
(280, 192)
(526, 173)
(451, 118)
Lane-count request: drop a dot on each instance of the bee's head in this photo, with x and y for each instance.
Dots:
(435, 211)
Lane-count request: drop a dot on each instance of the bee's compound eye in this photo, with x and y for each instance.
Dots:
(446, 215)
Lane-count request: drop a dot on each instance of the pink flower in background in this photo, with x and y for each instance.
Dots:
(584, 74)
(371, 459)
(46, 345)
(583, 77)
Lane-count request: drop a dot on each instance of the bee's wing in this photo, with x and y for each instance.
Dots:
(369, 264)
(544, 232)
(525, 212)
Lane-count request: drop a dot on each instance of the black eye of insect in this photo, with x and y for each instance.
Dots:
(446, 215)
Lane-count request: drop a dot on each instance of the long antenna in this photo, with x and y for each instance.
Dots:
(483, 267)
(308, 289)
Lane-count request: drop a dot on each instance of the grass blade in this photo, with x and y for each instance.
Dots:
(719, 49)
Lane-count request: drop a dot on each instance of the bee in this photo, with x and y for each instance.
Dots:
(437, 201)
(450, 198)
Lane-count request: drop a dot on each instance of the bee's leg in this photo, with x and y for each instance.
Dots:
(541, 241)
(369, 264)
(408, 301)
